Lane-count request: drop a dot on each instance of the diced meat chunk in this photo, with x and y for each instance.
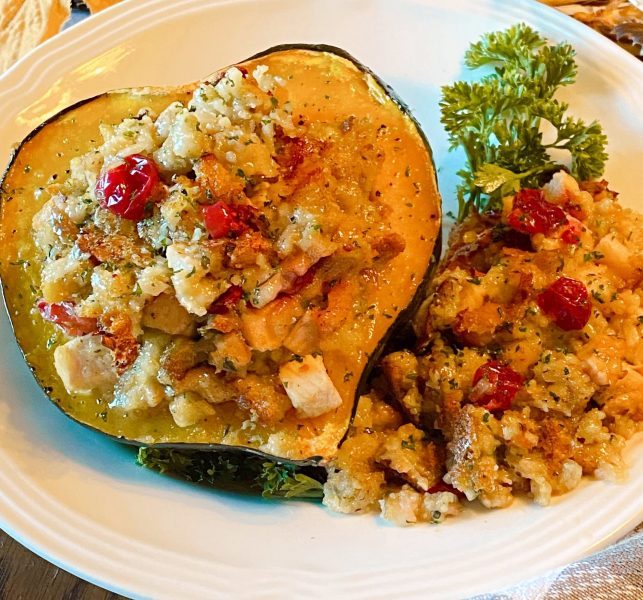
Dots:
(84, 365)
(138, 387)
(155, 278)
(52, 227)
(291, 269)
(309, 387)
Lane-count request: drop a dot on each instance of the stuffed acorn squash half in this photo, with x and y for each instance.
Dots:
(218, 266)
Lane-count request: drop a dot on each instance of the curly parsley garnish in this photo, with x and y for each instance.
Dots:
(234, 471)
(497, 120)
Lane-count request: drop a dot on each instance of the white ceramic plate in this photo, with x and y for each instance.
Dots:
(81, 502)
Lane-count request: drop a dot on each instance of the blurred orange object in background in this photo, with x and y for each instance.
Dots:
(26, 23)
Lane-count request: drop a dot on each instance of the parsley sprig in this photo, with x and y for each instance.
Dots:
(234, 471)
(497, 120)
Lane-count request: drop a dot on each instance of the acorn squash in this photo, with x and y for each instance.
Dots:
(218, 266)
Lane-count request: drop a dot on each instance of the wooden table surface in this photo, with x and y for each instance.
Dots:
(25, 576)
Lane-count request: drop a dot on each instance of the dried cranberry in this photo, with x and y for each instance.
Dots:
(226, 301)
(126, 189)
(495, 386)
(64, 315)
(225, 220)
(567, 302)
(531, 213)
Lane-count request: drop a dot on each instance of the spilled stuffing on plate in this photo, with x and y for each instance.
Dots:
(529, 372)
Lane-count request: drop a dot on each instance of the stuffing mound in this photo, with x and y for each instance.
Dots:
(529, 372)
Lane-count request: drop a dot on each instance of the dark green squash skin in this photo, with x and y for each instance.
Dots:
(403, 319)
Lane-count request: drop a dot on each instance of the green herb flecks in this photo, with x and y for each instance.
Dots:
(497, 120)
(235, 471)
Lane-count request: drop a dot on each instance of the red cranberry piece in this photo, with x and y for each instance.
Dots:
(575, 210)
(219, 219)
(224, 220)
(64, 315)
(531, 213)
(495, 386)
(126, 189)
(572, 231)
(226, 301)
(567, 302)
